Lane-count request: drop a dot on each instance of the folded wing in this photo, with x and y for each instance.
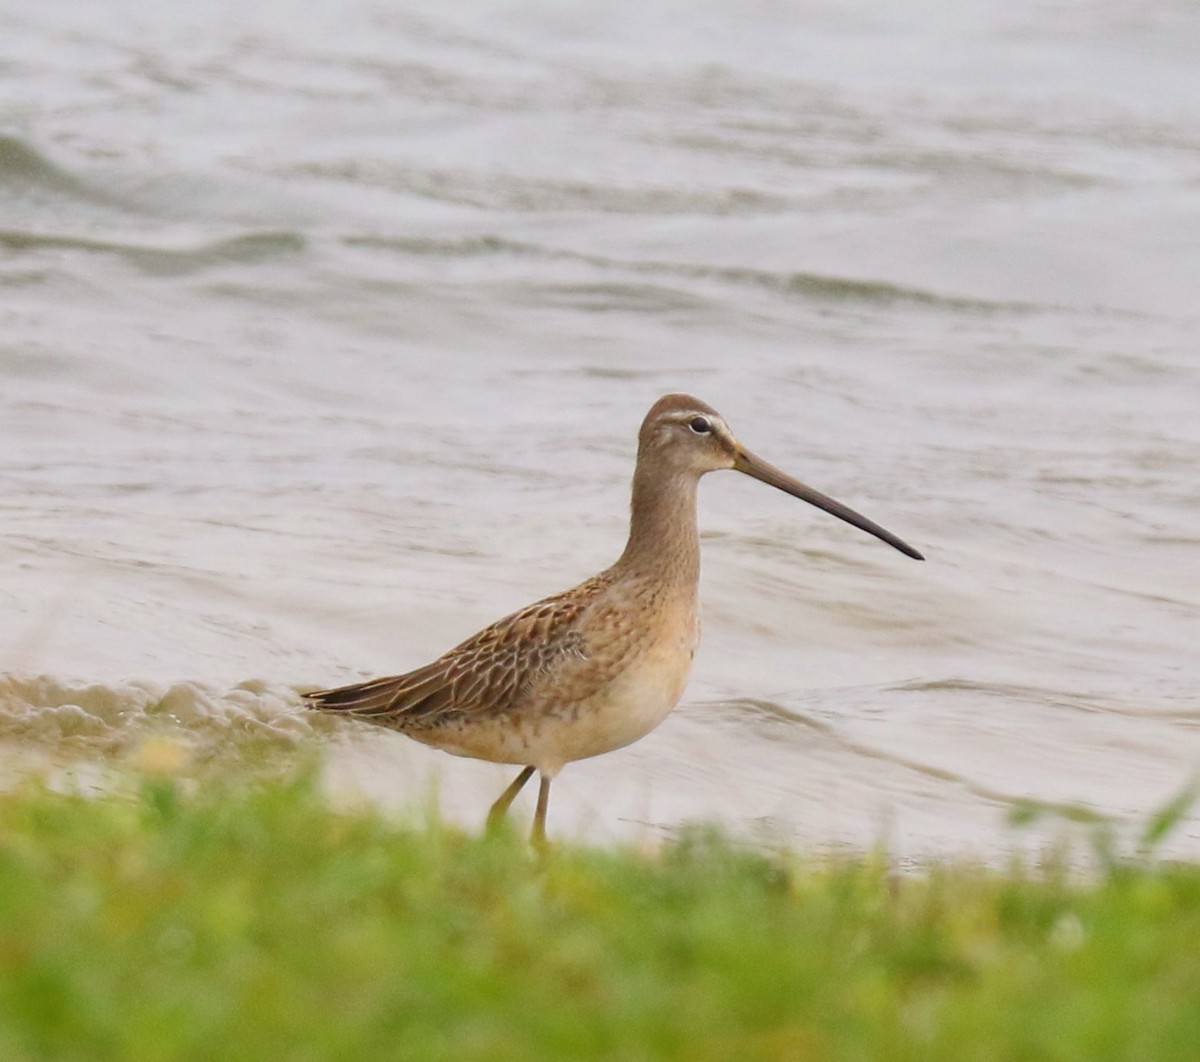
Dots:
(491, 672)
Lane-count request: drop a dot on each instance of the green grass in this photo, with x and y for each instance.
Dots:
(252, 921)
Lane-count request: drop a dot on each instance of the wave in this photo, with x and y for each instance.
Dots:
(246, 248)
(206, 723)
(783, 283)
(23, 167)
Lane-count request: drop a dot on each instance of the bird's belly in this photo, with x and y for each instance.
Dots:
(562, 728)
(591, 704)
(625, 709)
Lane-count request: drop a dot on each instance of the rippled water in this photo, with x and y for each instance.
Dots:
(325, 334)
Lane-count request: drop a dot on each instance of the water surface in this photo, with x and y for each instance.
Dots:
(326, 336)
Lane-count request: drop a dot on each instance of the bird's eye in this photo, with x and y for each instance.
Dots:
(700, 425)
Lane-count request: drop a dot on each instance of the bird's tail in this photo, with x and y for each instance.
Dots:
(360, 698)
(412, 696)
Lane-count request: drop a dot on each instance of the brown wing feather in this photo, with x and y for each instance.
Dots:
(489, 672)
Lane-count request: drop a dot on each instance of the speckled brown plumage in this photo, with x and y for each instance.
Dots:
(596, 667)
(488, 674)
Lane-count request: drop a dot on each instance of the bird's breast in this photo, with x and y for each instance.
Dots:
(627, 683)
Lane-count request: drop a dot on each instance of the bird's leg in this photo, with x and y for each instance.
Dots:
(539, 816)
(507, 797)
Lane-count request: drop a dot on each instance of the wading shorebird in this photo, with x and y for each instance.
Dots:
(596, 667)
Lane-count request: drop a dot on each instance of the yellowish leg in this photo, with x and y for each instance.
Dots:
(539, 816)
(507, 797)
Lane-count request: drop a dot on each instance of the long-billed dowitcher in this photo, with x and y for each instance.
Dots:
(596, 667)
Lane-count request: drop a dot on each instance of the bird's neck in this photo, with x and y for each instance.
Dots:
(664, 544)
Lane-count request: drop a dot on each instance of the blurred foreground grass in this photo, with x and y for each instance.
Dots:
(254, 922)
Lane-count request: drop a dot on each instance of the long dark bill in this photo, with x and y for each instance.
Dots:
(755, 466)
